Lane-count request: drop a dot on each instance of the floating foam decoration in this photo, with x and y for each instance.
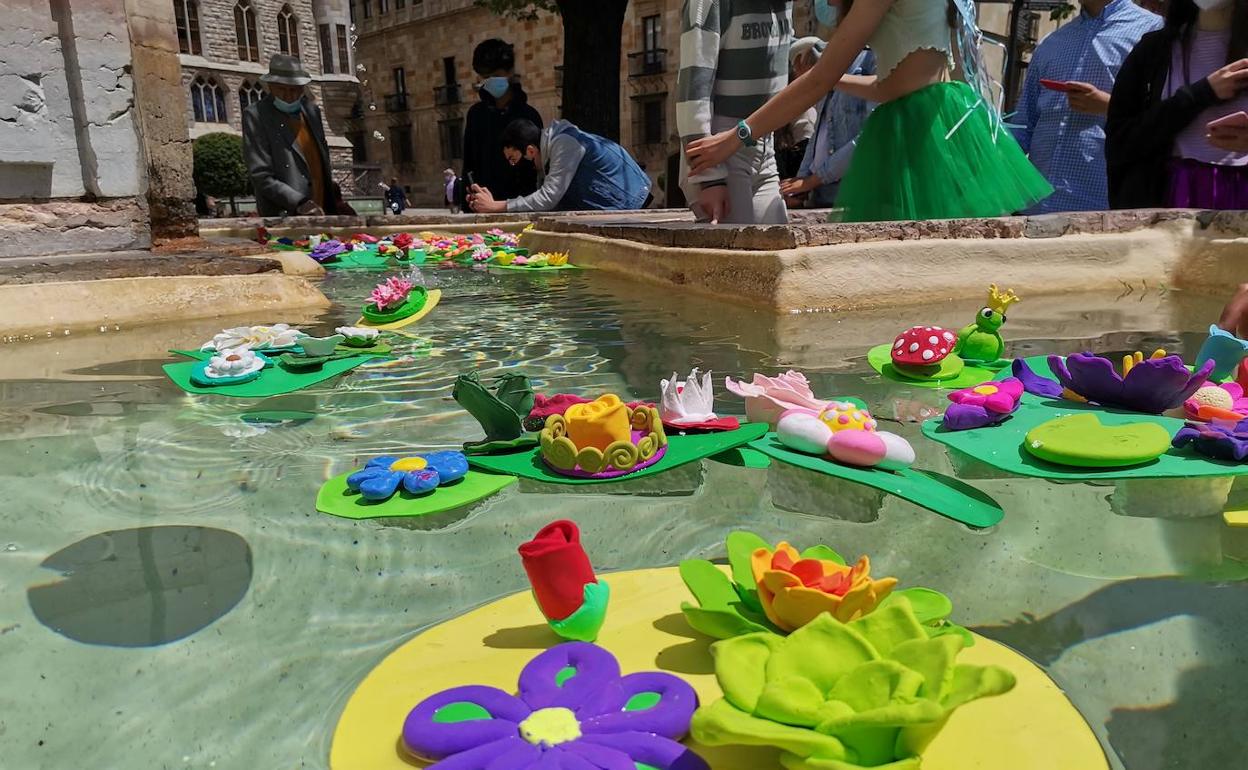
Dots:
(954, 373)
(571, 598)
(1081, 441)
(273, 380)
(229, 367)
(1221, 441)
(766, 398)
(604, 439)
(1226, 350)
(500, 412)
(432, 298)
(336, 498)
(262, 338)
(848, 437)
(1152, 386)
(1031, 727)
(689, 404)
(980, 343)
(1223, 402)
(983, 405)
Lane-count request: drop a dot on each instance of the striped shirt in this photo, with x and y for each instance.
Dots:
(734, 56)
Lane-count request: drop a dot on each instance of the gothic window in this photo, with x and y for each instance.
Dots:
(245, 32)
(208, 100)
(248, 94)
(327, 50)
(186, 15)
(288, 31)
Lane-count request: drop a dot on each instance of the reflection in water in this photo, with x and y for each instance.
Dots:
(143, 587)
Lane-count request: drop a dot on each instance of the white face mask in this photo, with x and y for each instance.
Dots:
(1211, 5)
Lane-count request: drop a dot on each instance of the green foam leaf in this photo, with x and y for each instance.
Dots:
(337, 499)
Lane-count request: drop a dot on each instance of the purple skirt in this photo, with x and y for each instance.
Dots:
(1197, 185)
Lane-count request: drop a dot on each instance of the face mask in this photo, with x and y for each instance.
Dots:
(496, 87)
(290, 108)
(826, 14)
(1211, 5)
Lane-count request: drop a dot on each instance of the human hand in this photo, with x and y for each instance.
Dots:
(1087, 98)
(309, 208)
(713, 201)
(799, 186)
(482, 201)
(707, 153)
(1235, 315)
(1229, 138)
(1228, 81)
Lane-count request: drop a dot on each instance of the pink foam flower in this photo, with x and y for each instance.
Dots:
(1000, 397)
(766, 398)
(391, 294)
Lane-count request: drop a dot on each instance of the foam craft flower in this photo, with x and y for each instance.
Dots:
(364, 238)
(983, 405)
(1221, 441)
(255, 337)
(404, 241)
(358, 334)
(1224, 402)
(574, 710)
(520, 259)
(599, 423)
(1151, 385)
(482, 254)
(234, 362)
(391, 294)
(1223, 348)
(571, 598)
(873, 692)
(729, 607)
(766, 398)
(419, 474)
(688, 401)
(793, 590)
(497, 232)
(545, 406)
(537, 260)
(328, 250)
(555, 258)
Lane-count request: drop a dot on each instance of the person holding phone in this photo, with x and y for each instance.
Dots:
(1060, 116)
(1174, 135)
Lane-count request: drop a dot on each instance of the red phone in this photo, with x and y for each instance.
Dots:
(1055, 85)
(1234, 120)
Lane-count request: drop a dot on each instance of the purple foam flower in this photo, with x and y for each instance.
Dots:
(574, 711)
(328, 250)
(1151, 385)
(1221, 441)
(1034, 383)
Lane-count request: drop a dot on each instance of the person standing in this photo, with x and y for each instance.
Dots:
(1165, 146)
(502, 102)
(734, 57)
(450, 181)
(284, 145)
(840, 119)
(1063, 131)
(396, 197)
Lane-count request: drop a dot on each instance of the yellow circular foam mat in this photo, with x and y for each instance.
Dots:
(1032, 727)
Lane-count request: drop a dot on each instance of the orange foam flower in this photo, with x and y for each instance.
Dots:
(794, 591)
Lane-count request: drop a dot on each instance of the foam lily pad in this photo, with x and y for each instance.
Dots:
(1001, 446)
(1080, 440)
(526, 269)
(273, 380)
(934, 491)
(431, 301)
(881, 360)
(680, 450)
(336, 499)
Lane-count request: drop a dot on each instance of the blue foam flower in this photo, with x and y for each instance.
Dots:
(418, 474)
(1225, 349)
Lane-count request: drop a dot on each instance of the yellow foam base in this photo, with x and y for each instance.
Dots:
(1033, 727)
(431, 301)
(1235, 518)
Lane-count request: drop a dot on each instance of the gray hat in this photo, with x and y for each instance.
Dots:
(286, 70)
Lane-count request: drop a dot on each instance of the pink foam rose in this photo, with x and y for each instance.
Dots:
(766, 398)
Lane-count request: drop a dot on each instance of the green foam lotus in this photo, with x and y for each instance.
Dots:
(872, 692)
(728, 607)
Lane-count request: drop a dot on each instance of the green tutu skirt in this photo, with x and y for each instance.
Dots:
(929, 155)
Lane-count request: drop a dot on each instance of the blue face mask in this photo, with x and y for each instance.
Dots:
(290, 108)
(496, 86)
(826, 14)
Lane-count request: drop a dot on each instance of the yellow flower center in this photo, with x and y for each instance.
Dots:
(986, 390)
(550, 727)
(409, 464)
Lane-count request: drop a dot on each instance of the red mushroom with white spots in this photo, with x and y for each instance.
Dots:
(923, 346)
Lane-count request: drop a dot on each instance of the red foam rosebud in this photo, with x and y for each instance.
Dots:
(558, 568)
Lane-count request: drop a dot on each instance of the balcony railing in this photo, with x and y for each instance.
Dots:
(649, 62)
(445, 96)
(396, 102)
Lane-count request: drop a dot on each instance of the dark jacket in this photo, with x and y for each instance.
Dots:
(1142, 126)
(395, 194)
(483, 147)
(279, 172)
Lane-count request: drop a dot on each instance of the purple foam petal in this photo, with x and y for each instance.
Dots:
(652, 750)
(1216, 441)
(1034, 383)
(599, 757)
(425, 737)
(1197, 381)
(1057, 365)
(969, 417)
(1094, 378)
(596, 669)
(1155, 385)
(507, 754)
(669, 717)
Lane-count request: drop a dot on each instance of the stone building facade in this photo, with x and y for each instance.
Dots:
(225, 46)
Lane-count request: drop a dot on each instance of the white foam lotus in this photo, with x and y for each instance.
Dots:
(691, 401)
(235, 362)
(258, 337)
(362, 333)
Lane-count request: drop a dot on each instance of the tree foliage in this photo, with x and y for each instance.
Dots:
(219, 170)
(519, 9)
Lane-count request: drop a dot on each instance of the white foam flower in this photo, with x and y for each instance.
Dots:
(235, 362)
(690, 401)
(258, 337)
(358, 332)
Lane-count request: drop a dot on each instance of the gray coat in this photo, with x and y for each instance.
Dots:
(279, 172)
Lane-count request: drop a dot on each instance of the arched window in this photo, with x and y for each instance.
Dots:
(248, 94)
(186, 14)
(208, 100)
(245, 32)
(288, 31)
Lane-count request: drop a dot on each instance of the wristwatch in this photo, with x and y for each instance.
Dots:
(745, 134)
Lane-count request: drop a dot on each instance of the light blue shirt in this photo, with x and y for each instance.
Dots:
(836, 134)
(1067, 146)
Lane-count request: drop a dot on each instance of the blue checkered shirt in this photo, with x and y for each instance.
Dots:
(1069, 147)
